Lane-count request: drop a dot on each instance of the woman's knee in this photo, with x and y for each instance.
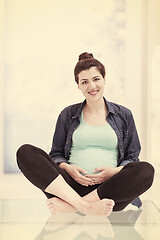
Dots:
(22, 152)
(143, 172)
(147, 172)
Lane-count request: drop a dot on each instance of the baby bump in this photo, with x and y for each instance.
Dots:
(91, 158)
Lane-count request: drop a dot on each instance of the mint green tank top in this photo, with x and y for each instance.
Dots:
(93, 146)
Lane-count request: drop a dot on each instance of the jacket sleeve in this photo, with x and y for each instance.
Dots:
(131, 142)
(59, 139)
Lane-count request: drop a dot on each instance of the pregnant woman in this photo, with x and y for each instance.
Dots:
(93, 166)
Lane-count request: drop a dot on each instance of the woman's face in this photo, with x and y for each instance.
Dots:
(91, 83)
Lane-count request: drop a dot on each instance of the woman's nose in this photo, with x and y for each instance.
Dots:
(92, 85)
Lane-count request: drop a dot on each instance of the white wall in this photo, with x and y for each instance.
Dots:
(1, 83)
(42, 42)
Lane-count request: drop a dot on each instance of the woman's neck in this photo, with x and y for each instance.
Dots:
(96, 107)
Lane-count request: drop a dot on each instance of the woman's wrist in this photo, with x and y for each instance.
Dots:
(63, 165)
(118, 169)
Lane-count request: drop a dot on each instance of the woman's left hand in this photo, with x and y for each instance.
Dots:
(104, 174)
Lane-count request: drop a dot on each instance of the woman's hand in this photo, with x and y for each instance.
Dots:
(105, 173)
(75, 172)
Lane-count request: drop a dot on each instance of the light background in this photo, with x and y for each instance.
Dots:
(40, 41)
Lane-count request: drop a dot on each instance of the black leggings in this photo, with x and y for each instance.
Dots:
(134, 179)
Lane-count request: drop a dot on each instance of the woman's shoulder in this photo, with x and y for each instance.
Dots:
(119, 109)
(71, 110)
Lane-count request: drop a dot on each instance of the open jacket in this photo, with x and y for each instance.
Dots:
(121, 120)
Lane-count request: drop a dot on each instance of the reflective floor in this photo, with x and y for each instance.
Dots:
(31, 220)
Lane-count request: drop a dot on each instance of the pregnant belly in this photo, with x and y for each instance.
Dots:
(91, 158)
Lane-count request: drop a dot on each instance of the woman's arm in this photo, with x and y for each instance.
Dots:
(59, 139)
(131, 152)
(132, 146)
(58, 156)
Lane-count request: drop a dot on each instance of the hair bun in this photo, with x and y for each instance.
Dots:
(85, 55)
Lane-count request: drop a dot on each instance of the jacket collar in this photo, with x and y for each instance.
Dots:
(110, 108)
(79, 110)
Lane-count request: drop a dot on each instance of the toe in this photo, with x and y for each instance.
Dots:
(48, 201)
(52, 210)
(111, 202)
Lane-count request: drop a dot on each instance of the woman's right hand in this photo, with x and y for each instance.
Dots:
(75, 172)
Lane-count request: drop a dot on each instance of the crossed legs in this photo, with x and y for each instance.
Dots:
(68, 195)
(74, 202)
(134, 179)
(39, 169)
(58, 205)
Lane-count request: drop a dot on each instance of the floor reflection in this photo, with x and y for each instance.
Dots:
(29, 219)
(79, 227)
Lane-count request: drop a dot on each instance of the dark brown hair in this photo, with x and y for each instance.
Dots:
(86, 61)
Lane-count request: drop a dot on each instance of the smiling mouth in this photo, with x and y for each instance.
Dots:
(93, 92)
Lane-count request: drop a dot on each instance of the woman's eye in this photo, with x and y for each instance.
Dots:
(84, 82)
(96, 79)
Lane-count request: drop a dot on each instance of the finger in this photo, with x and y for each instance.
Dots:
(97, 180)
(87, 181)
(79, 169)
(84, 179)
(99, 169)
(84, 183)
(90, 176)
(93, 180)
(93, 176)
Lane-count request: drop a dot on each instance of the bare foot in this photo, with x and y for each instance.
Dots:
(101, 207)
(57, 205)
